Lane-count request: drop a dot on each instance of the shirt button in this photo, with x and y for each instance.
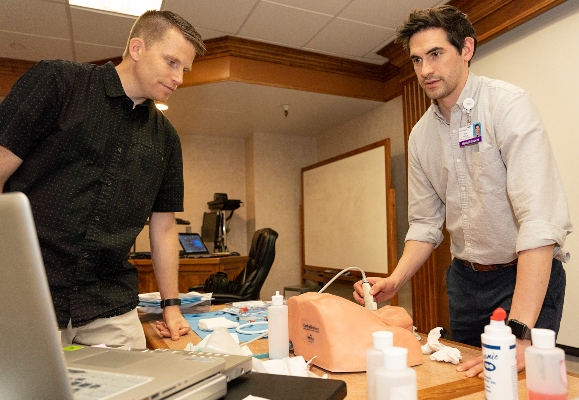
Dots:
(97, 218)
(458, 160)
(463, 188)
(84, 255)
(454, 131)
(75, 288)
(120, 149)
(467, 244)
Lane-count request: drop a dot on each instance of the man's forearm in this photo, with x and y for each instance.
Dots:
(413, 257)
(533, 274)
(165, 253)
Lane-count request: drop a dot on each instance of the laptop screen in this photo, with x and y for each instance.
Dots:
(192, 243)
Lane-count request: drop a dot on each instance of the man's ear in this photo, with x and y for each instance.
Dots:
(468, 48)
(136, 48)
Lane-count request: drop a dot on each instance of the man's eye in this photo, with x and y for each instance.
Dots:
(416, 60)
(435, 54)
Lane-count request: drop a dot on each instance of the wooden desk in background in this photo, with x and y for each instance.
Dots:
(192, 271)
(436, 380)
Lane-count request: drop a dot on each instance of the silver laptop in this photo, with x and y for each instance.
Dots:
(33, 364)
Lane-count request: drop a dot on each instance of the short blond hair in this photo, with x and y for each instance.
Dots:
(152, 25)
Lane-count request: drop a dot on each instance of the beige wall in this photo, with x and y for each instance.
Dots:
(276, 169)
(211, 165)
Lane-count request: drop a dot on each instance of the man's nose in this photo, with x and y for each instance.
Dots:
(426, 69)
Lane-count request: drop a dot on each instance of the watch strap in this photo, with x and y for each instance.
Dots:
(170, 302)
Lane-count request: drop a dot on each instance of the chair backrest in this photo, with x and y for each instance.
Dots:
(261, 256)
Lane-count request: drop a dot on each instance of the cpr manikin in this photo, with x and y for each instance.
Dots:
(337, 332)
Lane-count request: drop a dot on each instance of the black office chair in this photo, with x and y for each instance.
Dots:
(251, 279)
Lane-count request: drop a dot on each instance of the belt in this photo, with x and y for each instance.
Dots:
(486, 268)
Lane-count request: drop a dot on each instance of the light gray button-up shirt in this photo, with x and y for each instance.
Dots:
(499, 196)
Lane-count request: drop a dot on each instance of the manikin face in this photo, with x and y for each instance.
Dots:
(160, 67)
(441, 70)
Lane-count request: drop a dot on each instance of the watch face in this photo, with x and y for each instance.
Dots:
(519, 329)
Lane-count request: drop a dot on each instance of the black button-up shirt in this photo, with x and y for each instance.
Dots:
(94, 167)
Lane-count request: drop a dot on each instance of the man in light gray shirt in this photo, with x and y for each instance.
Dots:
(498, 188)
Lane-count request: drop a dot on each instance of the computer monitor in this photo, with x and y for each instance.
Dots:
(211, 227)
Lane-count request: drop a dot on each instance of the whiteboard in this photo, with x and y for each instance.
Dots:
(345, 211)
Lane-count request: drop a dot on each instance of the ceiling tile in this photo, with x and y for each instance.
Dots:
(330, 7)
(218, 15)
(347, 37)
(34, 17)
(384, 13)
(86, 52)
(100, 27)
(33, 48)
(284, 25)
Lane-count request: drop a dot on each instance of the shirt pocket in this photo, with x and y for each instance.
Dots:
(488, 172)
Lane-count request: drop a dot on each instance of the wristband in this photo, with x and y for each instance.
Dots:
(170, 302)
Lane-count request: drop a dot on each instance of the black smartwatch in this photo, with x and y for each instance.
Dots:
(170, 302)
(520, 330)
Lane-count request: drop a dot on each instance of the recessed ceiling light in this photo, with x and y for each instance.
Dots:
(129, 7)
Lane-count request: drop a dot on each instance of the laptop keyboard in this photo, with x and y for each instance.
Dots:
(91, 385)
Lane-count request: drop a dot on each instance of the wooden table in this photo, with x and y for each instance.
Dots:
(436, 380)
(192, 271)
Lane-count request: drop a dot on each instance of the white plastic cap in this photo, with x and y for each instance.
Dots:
(383, 339)
(277, 299)
(395, 358)
(543, 338)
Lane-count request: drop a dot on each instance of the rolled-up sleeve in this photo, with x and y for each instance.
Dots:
(426, 211)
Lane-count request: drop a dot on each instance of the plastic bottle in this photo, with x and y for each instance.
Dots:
(395, 380)
(500, 359)
(375, 358)
(545, 367)
(277, 328)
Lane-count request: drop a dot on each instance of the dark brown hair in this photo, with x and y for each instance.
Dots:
(152, 25)
(454, 22)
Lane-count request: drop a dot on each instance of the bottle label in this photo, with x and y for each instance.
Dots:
(405, 392)
(500, 372)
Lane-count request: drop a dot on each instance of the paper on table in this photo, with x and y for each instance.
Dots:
(439, 351)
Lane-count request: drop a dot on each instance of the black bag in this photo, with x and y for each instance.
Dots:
(219, 283)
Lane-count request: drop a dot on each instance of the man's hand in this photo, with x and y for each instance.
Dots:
(174, 325)
(475, 366)
(382, 289)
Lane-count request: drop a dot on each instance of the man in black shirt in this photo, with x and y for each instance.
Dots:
(96, 159)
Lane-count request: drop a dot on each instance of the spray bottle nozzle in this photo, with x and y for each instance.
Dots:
(499, 315)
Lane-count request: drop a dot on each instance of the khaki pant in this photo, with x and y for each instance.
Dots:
(124, 330)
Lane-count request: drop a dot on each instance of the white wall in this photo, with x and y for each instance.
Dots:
(542, 57)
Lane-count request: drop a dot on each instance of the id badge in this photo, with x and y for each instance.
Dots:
(470, 134)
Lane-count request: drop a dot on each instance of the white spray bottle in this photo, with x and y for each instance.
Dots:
(277, 328)
(375, 358)
(500, 359)
(395, 380)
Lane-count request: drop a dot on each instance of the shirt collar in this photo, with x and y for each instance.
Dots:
(114, 87)
(469, 90)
